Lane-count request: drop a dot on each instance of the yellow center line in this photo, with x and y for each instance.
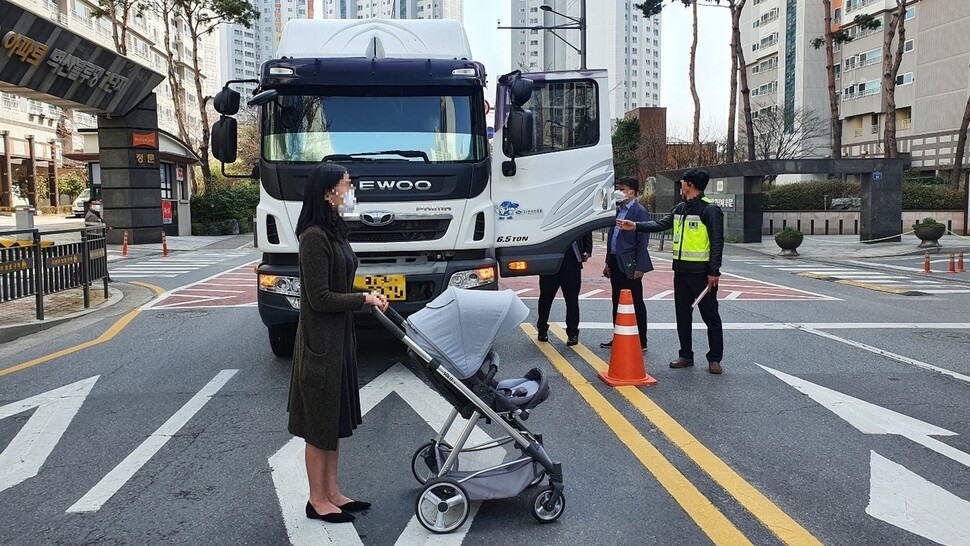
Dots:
(714, 524)
(774, 518)
(108, 335)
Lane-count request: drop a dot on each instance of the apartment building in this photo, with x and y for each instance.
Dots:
(786, 74)
(145, 45)
(618, 37)
(931, 86)
(392, 9)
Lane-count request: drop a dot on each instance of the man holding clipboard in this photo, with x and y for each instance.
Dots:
(698, 245)
(627, 257)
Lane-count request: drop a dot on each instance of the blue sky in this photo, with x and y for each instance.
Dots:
(492, 47)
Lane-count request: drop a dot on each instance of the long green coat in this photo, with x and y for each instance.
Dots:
(326, 296)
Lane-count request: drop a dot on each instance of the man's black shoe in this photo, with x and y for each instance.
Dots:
(572, 340)
(543, 336)
(607, 344)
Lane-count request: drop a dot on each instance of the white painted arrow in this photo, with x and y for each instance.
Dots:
(30, 448)
(872, 419)
(908, 501)
(289, 472)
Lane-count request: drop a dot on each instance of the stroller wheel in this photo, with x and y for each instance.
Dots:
(540, 512)
(424, 463)
(442, 505)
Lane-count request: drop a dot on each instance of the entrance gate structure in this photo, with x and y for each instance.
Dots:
(736, 187)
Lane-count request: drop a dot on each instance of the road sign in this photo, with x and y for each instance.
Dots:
(166, 212)
(877, 175)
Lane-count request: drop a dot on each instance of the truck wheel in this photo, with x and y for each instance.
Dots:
(281, 339)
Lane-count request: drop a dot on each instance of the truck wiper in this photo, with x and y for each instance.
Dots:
(363, 155)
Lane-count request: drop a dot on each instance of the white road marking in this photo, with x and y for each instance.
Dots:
(113, 481)
(26, 453)
(169, 293)
(905, 499)
(590, 293)
(523, 290)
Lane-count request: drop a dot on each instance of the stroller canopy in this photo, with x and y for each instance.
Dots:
(460, 326)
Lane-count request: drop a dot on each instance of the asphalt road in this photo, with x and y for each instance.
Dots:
(172, 428)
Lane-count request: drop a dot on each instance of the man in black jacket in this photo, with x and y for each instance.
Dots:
(698, 245)
(568, 278)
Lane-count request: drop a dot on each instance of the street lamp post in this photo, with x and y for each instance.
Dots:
(577, 24)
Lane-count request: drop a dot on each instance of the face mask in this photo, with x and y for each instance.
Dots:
(350, 202)
(96, 208)
(619, 196)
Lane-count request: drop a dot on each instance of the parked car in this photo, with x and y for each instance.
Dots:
(78, 208)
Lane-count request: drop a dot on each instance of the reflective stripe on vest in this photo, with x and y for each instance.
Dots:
(691, 240)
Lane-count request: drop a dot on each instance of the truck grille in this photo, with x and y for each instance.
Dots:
(398, 231)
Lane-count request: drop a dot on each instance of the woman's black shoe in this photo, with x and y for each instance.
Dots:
(354, 506)
(336, 517)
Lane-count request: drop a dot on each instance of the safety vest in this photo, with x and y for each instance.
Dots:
(691, 241)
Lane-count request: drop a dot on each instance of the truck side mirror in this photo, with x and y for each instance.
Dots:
(519, 131)
(264, 97)
(521, 91)
(223, 139)
(226, 102)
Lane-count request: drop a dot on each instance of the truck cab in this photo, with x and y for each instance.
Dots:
(401, 105)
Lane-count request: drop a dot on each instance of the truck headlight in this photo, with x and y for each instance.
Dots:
(472, 278)
(278, 284)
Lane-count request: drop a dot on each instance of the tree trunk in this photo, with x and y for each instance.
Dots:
(201, 100)
(693, 89)
(733, 101)
(745, 90)
(890, 66)
(835, 121)
(175, 80)
(957, 172)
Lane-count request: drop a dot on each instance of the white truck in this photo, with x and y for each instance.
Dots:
(401, 104)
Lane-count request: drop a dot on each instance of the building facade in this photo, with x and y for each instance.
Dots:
(619, 39)
(392, 9)
(787, 76)
(931, 86)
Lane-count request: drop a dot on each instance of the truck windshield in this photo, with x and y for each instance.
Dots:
(360, 121)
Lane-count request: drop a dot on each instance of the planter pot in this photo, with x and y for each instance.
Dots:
(788, 245)
(929, 235)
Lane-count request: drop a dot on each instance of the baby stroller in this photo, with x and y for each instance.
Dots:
(450, 339)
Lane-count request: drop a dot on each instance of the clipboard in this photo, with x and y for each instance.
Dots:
(700, 297)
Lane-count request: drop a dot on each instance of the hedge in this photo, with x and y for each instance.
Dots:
(220, 211)
(812, 194)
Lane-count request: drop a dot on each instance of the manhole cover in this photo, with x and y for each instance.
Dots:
(183, 314)
(953, 337)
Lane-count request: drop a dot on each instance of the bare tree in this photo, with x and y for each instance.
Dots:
(774, 141)
(890, 68)
(119, 12)
(692, 71)
(736, 7)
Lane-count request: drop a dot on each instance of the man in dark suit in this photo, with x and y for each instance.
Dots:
(627, 255)
(568, 279)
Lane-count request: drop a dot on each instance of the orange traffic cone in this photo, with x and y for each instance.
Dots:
(164, 244)
(953, 265)
(626, 357)
(926, 263)
(124, 245)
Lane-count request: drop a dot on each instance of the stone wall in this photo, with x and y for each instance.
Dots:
(814, 222)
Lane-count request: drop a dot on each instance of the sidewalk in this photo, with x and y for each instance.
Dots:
(848, 247)
(18, 317)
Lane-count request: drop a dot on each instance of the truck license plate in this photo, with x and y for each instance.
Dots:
(392, 286)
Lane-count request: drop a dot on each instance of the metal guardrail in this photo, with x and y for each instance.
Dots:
(31, 267)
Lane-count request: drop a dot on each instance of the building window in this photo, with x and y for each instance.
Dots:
(167, 175)
(904, 79)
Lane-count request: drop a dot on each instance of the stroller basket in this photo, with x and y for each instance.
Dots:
(494, 482)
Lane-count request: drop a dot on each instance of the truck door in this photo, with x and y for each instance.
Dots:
(552, 167)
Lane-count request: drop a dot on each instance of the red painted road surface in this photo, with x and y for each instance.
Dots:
(234, 288)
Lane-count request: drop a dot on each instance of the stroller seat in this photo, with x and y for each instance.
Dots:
(522, 392)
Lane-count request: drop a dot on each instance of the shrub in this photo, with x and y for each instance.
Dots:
(224, 205)
(927, 223)
(789, 232)
(649, 201)
(918, 196)
(809, 195)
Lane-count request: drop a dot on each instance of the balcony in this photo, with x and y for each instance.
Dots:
(858, 131)
(874, 129)
(904, 124)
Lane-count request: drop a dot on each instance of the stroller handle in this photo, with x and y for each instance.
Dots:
(391, 320)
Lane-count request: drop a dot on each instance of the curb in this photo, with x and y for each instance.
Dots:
(10, 333)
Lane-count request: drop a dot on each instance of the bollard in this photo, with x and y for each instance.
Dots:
(926, 262)
(124, 245)
(953, 268)
(164, 244)
(960, 264)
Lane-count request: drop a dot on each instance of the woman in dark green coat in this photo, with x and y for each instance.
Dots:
(324, 403)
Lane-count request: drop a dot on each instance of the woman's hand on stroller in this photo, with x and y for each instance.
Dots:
(376, 299)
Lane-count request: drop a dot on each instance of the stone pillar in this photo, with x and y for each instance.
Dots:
(741, 201)
(6, 173)
(131, 197)
(31, 172)
(55, 193)
(882, 202)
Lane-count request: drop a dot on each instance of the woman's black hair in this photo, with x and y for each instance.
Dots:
(317, 211)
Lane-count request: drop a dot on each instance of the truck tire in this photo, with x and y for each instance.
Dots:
(281, 338)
